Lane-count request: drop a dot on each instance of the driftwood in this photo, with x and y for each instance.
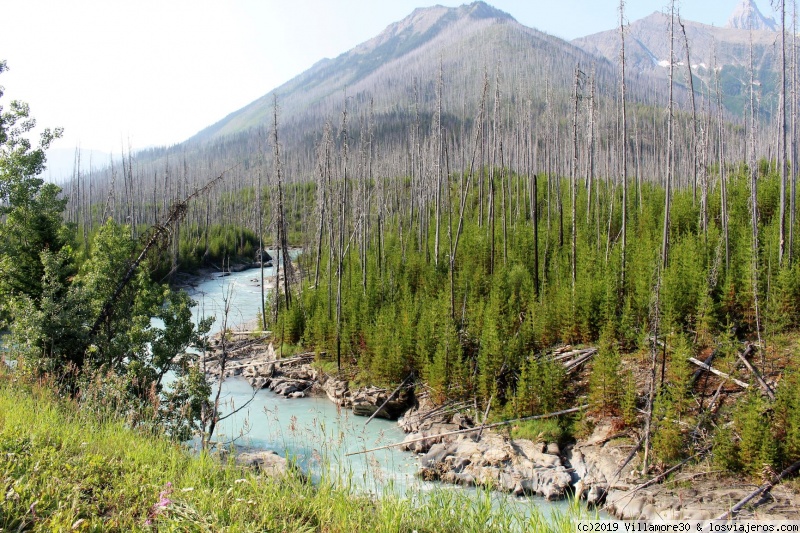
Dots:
(444, 408)
(719, 373)
(248, 364)
(766, 487)
(388, 399)
(763, 384)
(469, 430)
(296, 359)
(667, 472)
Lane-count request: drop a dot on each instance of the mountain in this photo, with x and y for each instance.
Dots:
(647, 44)
(647, 53)
(397, 71)
(747, 16)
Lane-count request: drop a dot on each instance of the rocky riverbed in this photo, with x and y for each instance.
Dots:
(588, 468)
(296, 377)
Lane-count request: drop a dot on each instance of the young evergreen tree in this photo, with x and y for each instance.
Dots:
(605, 379)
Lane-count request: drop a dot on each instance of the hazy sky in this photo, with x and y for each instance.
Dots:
(155, 72)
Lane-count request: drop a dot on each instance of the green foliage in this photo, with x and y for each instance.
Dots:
(669, 444)
(605, 381)
(541, 387)
(474, 332)
(786, 417)
(52, 305)
(755, 446)
(548, 430)
(628, 402)
(726, 451)
(121, 368)
(50, 334)
(30, 209)
(492, 350)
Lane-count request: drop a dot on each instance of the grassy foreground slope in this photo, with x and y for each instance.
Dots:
(62, 469)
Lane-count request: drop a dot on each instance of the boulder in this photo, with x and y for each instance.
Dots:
(266, 462)
(337, 391)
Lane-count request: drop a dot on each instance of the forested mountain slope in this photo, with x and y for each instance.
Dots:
(398, 69)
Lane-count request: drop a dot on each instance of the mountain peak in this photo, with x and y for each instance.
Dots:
(424, 23)
(482, 10)
(476, 10)
(747, 16)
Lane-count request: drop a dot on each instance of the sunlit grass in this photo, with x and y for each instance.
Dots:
(62, 469)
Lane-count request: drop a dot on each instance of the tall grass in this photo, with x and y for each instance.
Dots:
(61, 469)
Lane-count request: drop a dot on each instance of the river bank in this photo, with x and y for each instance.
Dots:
(588, 468)
(69, 469)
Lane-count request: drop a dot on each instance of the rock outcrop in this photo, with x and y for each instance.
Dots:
(296, 377)
(595, 463)
(367, 401)
(484, 458)
(337, 391)
(702, 500)
(512, 465)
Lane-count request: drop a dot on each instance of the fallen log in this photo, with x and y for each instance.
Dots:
(571, 353)
(719, 373)
(763, 384)
(667, 472)
(575, 363)
(699, 371)
(760, 490)
(660, 476)
(296, 359)
(469, 430)
(628, 459)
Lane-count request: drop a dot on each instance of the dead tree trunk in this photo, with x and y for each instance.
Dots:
(624, 145)
(782, 111)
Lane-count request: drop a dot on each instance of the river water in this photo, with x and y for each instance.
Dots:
(313, 431)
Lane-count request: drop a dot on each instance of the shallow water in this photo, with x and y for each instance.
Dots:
(313, 431)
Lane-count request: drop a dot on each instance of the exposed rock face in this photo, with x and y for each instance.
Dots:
(702, 501)
(595, 462)
(587, 468)
(366, 401)
(337, 391)
(512, 465)
(293, 377)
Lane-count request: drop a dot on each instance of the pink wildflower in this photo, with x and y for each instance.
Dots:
(162, 504)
